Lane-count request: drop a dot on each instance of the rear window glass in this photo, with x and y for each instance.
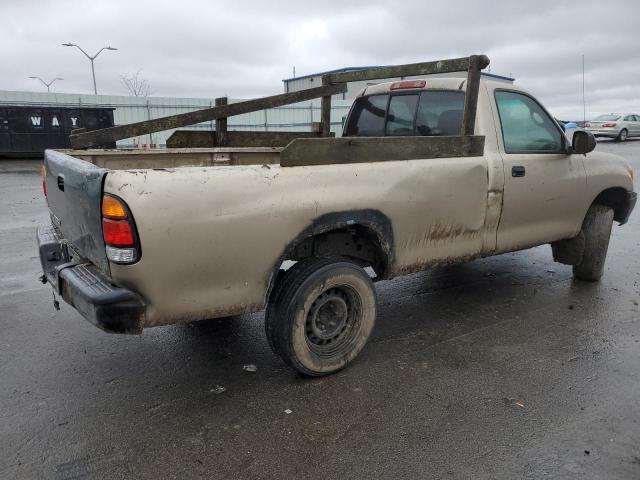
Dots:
(430, 112)
(440, 113)
(402, 110)
(606, 118)
(368, 116)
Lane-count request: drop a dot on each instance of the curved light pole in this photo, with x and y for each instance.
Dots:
(47, 84)
(93, 71)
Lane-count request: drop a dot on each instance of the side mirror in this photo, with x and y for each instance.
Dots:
(583, 142)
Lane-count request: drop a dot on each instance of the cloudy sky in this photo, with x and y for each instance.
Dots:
(245, 48)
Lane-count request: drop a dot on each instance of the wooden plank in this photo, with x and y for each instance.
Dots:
(425, 68)
(471, 94)
(325, 112)
(205, 139)
(96, 138)
(221, 125)
(327, 151)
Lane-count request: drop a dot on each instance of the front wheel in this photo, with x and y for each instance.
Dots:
(321, 314)
(597, 231)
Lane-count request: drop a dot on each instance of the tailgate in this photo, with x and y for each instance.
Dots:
(74, 193)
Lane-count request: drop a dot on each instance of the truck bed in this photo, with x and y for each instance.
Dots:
(177, 157)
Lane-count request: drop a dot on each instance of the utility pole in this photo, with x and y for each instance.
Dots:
(91, 59)
(47, 84)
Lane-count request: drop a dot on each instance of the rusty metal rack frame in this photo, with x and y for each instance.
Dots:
(332, 84)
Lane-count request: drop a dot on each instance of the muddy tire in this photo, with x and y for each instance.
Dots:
(597, 231)
(321, 314)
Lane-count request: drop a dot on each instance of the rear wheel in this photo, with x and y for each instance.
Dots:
(597, 231)
(321, 315)
(623, 135)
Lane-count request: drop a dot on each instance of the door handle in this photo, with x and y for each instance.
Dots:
(517, 171)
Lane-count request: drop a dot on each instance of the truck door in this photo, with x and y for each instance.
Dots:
(545, 188)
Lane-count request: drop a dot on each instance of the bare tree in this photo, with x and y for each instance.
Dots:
(136, 86)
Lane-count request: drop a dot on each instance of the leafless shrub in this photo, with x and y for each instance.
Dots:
(135, 85)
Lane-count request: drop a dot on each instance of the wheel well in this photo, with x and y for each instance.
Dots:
(363, 236)
(359, 243)
(615, 198)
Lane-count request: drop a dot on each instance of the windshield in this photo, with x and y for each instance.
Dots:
(608, 117)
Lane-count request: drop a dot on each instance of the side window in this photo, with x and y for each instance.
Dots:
(629, 118)
(368, 116)
(637, 117)
(402, 110)
(525, 125)
(440, 113)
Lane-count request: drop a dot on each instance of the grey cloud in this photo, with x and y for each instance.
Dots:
(244, 49)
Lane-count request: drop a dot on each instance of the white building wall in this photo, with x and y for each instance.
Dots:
(296, 117)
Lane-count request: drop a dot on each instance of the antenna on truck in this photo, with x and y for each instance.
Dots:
(584, 104)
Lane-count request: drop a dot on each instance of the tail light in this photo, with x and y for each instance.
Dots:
(408, 84)
(43, 174)
(609, 125)
(119, 231)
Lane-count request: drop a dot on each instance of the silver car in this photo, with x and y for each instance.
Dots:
(615, 125)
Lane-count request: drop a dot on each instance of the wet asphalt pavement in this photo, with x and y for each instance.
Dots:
(500, 368)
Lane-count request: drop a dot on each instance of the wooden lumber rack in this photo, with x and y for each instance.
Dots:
(332, 84)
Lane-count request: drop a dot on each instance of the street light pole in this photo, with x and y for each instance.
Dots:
(47, 84)
(91, 59)
(93, 74)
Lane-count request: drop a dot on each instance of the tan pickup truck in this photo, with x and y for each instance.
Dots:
(159, 237)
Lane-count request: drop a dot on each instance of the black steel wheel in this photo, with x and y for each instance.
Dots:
(321, 314)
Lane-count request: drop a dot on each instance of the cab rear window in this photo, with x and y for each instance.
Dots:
(424, 113)
(367, 119)
(401, 115)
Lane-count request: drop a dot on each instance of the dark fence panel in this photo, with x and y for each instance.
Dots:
(32, 130)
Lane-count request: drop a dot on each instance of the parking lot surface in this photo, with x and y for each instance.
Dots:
(503, 367)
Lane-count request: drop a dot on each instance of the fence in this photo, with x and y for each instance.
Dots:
(296, 117)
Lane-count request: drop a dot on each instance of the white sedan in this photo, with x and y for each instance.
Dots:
(615, 125)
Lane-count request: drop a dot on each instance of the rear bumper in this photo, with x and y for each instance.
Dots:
(623, 213)
(604, 133)
(83, 286)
